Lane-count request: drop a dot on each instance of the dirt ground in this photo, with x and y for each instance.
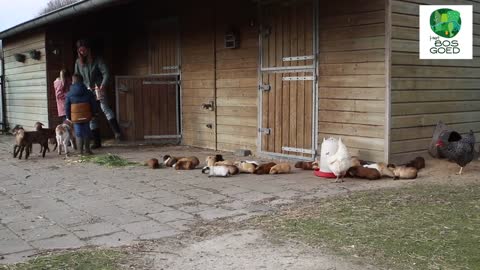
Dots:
(188, 220)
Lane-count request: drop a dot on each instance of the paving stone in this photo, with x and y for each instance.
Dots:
(211, 199)
(145, 227)
(62, 242)
(159, 235)
(287, 194)
(17, 257)
(43, 233)
(6, 234)
(170, 216)
(14, 246)
(181, 225)
(113, 240)
(215, 213)
(70, 218)
(252, 196)
(91, 230)
(29, 224)
(143, 206)
(159, 193)
(196, 192)
(194, 208)
(124, 217)
(231, 190)
(173, 200)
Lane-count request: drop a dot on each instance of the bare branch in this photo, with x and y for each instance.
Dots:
(56, 4)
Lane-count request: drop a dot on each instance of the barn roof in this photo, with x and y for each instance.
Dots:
(75, 9)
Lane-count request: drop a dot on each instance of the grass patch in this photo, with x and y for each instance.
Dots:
(108, 160)
(420, 227)
(77, 260)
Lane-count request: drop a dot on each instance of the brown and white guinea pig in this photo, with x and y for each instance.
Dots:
(382, 168)
(264, 168)
(232, 169)
(210, 160)
(358, 162)
(306, 165)
(246, 166)
(418, 163)
(364, 173)
(403, 172)
(152, 163)
(217, 171)
(281, 168)
(218, 160)
(187, 163)
(169, 161)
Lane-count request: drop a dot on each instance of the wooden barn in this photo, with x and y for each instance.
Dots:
(274, 77)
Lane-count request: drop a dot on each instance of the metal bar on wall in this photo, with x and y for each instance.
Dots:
(2, 90)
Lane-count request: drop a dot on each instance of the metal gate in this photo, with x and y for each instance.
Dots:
(148, 106)
(288, 78)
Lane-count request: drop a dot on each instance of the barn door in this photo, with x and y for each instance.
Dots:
(288, 78)
(164, 47)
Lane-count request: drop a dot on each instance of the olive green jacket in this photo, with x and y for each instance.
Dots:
(95, 73)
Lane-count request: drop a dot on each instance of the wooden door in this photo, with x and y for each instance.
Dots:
(288, 78)
(164, 47)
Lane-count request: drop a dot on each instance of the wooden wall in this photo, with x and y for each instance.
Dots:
(352, 81)
(198, 75)
(236, 77)
(26, 88)
(426, 91)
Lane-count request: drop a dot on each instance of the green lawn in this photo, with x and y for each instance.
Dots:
(76, 260)
(420, 227)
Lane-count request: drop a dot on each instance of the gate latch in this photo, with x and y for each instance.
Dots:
(267, 131)
(264, 87)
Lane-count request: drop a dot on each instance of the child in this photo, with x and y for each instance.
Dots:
(61, 86)
(81, 107)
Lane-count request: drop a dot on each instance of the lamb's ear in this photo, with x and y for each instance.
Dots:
(219, 158)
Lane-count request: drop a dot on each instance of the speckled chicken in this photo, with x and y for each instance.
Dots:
(457, 148)
(340, 162)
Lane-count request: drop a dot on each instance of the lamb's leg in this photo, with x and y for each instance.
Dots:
(59, 149)
(339, 179)
(460, 172)
(16, 149)
(65, 145)
(45, 147)
(21, 151)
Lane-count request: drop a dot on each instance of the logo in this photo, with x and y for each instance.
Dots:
(446, 32)
(446, 22)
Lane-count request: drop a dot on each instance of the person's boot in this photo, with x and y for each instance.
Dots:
(80, 144)
(97, 139)
(87, 147)
(116, 128)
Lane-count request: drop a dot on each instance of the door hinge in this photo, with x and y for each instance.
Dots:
(267, 131)
(264, 87)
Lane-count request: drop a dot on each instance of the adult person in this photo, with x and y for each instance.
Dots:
(96, 76)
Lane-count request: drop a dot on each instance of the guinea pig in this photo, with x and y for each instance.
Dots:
(217, 171)
(364, 173)
(246, 166)
(305, 165)
(152, 163)
(264, 168)
(418, 163)
(281, 168)
(187, 163)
